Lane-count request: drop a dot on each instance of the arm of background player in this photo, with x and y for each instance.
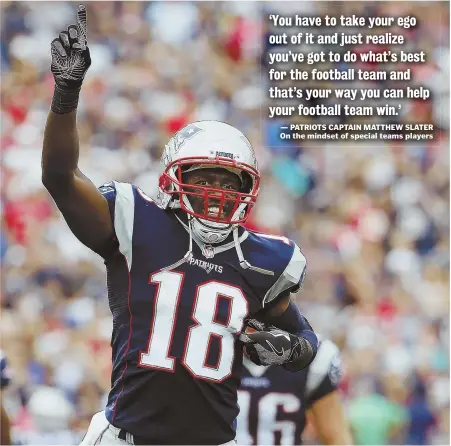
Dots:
(84, 208)
(329, 420)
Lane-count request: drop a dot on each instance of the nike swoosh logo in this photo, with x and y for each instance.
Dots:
(275, 350)
(276, 335)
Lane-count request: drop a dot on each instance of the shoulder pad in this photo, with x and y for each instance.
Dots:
(292, 276)
(121, 203)
(327, 363)
(124, 215)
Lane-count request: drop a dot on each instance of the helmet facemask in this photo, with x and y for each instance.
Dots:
(215, 209)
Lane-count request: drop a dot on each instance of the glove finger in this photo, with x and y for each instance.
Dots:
(244, 337)
(72, 31)
(256, 325)
(64, 38)
(277, 344)
(57, 49)
(256, 337)
(82, 25)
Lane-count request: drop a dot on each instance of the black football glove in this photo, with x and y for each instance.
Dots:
(269, 345)
(70, 62)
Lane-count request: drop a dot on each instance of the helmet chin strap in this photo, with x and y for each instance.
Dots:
(189, 254)
(206, 236)
(243, 262)
(210, 235)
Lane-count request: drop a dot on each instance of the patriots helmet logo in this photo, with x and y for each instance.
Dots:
(186, 133)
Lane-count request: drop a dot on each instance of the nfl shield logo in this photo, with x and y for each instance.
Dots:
(208, 251)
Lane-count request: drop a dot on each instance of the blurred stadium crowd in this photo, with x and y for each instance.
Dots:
(372, 220)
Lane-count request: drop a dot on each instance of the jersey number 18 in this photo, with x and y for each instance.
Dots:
(200, 335)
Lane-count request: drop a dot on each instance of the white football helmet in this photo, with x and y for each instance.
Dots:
(209, 144)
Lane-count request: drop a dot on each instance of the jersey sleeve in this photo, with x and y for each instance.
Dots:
(108, 190)
(121, 202)
(324, 373)
(292, 277)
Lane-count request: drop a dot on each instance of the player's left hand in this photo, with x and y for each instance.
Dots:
(268, 345)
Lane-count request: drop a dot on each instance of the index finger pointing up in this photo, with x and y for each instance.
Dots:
(82, 25)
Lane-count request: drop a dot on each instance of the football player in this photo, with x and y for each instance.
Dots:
(274, 403)
(5, 432)
(183, 275)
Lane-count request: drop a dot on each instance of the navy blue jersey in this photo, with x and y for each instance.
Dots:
(273, 401)
(176, 359)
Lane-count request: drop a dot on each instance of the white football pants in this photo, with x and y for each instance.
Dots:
(100, 431)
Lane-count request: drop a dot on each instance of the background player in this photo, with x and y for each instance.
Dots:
(177, 314)
(274, 404)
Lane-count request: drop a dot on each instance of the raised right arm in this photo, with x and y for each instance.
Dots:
(84, 208)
